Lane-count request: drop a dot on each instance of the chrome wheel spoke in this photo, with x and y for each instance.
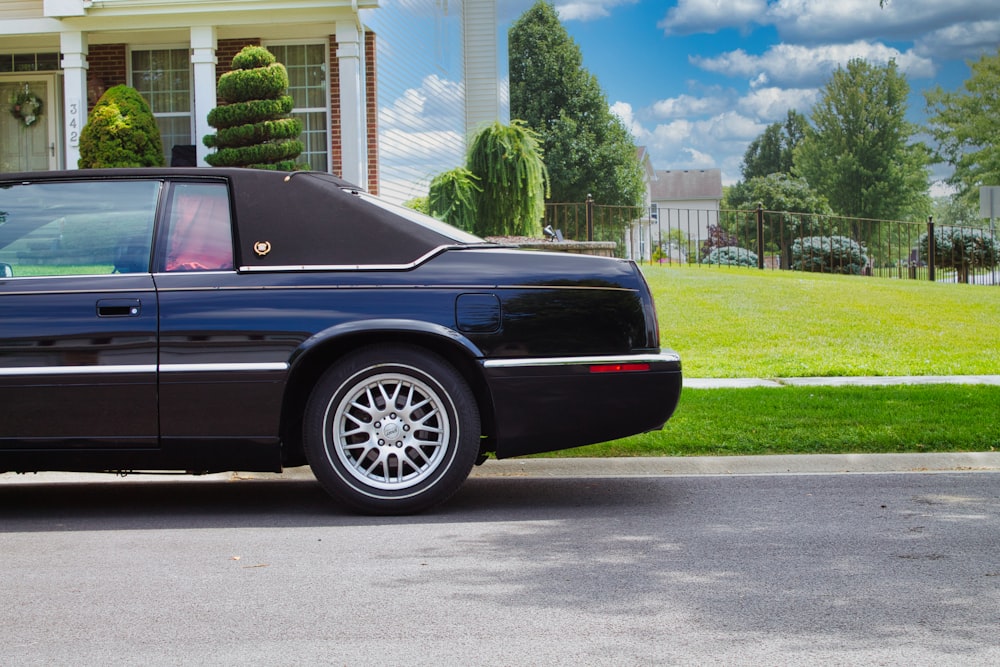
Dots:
(391, 431)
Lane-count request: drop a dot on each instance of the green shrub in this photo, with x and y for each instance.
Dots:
(120, 132)
(731, 256)
(452, 198)
(828, 254)
(962, 249)
(253, 124)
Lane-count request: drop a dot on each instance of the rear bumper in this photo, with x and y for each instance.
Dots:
(547, 404)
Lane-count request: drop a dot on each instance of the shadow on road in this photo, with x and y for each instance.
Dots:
(145, 504)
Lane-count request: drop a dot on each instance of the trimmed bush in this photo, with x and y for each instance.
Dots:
(254, 127)
(731, 256)
(962, 249)
(120, 132)
(828, 254)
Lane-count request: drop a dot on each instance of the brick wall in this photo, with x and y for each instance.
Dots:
(371, 107)
(226, 49)
(107, 69)
(336, 148)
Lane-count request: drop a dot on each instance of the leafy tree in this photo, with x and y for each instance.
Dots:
(957, 211)
(857, 154)
(506, 160)
(772, 152)
(966, 125)
(587, 149)
(795, 209)
(453, 197)
(120, 132)
(254, 127)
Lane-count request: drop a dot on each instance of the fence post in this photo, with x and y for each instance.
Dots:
(760, 236)
(931, 248)
(590, 217)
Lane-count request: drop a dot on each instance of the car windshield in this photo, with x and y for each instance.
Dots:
(426, 221)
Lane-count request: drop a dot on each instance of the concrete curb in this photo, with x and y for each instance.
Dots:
(647, 466)
(797, 464)
(869, 381)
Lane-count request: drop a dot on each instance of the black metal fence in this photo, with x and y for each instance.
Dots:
(786, 241)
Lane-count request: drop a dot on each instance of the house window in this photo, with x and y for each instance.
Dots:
(163, 77)
(308, 84)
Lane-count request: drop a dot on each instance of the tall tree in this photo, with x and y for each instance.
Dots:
(858, 153)
(966, 125)
(587, 149)
(772, 152)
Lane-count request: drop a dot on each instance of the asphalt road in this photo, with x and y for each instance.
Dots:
(887, 569)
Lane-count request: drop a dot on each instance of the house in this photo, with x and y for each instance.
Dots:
(681, 204)
(687, 200)
(67, 52)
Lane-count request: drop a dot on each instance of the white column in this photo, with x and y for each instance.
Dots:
(479, 48)
(74, 47)
(204, 43)
(353, 130)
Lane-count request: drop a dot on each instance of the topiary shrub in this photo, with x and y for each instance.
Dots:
(962, 249)
(731, 256)
(253, 124)
(828, 254)
(120, 132)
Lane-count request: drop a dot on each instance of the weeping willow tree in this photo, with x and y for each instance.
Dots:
(453, 196)
(507, 161)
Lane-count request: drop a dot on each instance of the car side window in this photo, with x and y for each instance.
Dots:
(199, 232)
(65, 228)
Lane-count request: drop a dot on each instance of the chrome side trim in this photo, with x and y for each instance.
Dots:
(349, 267)
(223, 368)
(136, 369)
(78, 370)
(662, 357)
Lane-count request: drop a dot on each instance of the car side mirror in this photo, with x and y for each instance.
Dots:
(6, 270)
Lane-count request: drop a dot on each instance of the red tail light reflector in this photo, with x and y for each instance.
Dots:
(619, 368)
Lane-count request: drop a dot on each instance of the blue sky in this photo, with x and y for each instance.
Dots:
(697, 80)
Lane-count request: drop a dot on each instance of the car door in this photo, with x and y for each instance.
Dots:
(78, 314)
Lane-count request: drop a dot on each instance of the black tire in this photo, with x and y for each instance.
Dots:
(391, 429)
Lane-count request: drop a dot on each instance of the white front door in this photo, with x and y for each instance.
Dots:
(27, 133)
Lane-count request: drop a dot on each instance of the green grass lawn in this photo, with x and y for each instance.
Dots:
(751, 323)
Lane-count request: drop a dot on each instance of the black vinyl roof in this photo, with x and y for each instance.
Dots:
(315, 219)
(299, 219)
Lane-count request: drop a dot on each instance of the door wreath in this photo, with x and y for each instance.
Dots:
(26, 106)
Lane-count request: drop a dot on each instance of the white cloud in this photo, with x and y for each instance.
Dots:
(772, 104)
(796, 65)
(586, 10)
(694, 16)
(685, 106)
(962, 40)
(436, 104)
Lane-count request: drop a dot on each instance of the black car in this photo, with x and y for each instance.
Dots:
(206, 320)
